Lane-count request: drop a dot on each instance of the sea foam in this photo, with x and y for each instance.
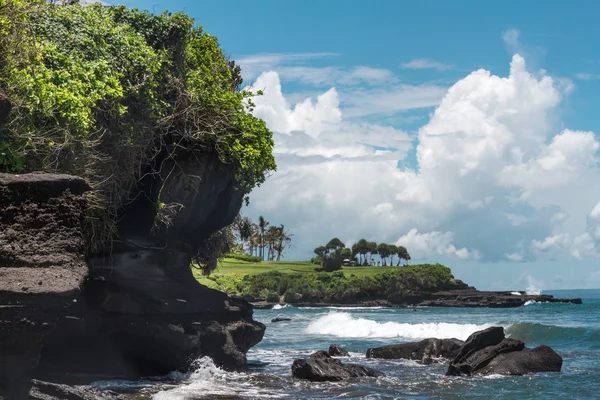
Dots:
(344, 325)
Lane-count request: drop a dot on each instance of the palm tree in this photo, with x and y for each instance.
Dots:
(285, 238)
(384, 251)
(393, 252)
(372, 250)
(245, 228)
(262, 225)
(363, 248)
(402, 254)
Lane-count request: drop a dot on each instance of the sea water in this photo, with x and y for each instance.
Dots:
(571, 330)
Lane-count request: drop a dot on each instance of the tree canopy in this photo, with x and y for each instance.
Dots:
(100, 91)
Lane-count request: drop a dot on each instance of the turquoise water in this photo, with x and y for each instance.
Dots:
(572, 330)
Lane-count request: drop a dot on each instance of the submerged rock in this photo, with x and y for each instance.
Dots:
(489, 352)
(280, 319)
(336, 350)
(320, 366)
(426, 351)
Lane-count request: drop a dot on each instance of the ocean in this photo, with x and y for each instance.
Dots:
(571, 330)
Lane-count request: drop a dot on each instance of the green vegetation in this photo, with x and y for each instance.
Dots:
(243, 257)
(295, 282)
(256, 238)
(332, 255)
(110, 93)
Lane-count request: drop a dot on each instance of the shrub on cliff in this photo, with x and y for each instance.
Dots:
(101, 92)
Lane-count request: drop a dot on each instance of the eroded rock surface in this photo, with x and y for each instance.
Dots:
(142, 311)
(489, 352)
(42, 267)
(320, 366)
(336, 351)
(426, 351)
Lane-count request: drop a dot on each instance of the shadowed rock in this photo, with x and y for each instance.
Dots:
(53, 391)
(488, 352)
(320, 366)
(426, 351)
(336, 350)
(42, 267)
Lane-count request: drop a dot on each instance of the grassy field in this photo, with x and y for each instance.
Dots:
(230, 266)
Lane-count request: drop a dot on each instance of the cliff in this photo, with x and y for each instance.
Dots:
(42, 267)
(149, 112)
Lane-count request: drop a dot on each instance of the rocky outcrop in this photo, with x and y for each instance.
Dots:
(336, 351)
(489, 352)
(426, 351)
(53, 391)
(320, 367)
(142, 311)
(42, 267)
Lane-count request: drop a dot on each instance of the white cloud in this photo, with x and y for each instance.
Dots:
(253, 65)
(587, 77)
(423, 245)
(495, 178)
(423, 63)
(511, 40)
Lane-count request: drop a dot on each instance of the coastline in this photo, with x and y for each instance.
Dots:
(450, 298)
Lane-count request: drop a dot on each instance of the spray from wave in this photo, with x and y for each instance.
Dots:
(211, 382)
(532, 289)
(282, 306)
(344, 325)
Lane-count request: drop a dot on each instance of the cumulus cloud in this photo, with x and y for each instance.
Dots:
(423, 245)
(495, 178)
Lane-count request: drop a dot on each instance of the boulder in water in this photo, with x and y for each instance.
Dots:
(489, 352)
(426, 351)
(320, 367)
(280, 319)
(336, 350)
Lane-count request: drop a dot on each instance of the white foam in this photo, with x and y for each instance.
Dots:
(280, 306)
(516, 293)
(344, 325)
(209, 380)
(532, 289)
(530, 302)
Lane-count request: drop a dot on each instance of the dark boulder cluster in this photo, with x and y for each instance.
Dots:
(489, 352)
(485, 352)
(426, 351)
(320, 366)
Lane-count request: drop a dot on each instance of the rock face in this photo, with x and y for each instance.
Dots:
(142, 311)
(426, 351)
(488, 352)
(42, 267)
(337, 351)
(320, 366)
(53, 391)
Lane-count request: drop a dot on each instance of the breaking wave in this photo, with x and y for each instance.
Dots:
(344, 325)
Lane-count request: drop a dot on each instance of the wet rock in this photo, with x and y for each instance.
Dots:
(426, 351)
(52, 391)
(335, 350)
(280, 319)
(489, 352)
(320, 367)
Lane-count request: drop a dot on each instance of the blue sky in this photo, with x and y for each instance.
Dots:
(465, 130)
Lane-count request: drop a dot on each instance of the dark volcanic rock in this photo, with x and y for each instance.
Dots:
(142, 311)
(320, 366)
(42, 267)
(52, 391)
(426, 351)
(279, 319)
(336, 350)
(489, 352)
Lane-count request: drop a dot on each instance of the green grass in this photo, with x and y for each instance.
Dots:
(230, 266)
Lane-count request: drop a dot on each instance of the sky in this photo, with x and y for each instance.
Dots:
(466, 131)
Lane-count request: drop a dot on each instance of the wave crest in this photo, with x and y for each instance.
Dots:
(344, 325)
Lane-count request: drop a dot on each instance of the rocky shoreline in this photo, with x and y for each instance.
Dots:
(451, 298)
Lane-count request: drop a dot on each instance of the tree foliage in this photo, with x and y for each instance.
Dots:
(100, 92)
